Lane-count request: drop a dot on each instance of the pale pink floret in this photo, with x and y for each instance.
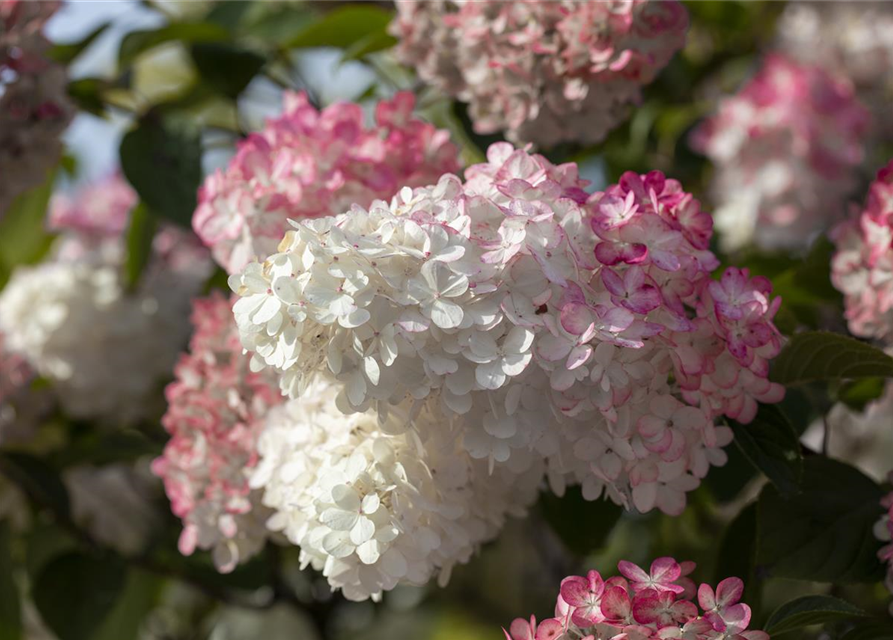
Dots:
(786, 148)
(546, 72)
(215, 410)
(98, 209)
(862, 268)
(650, 606)
(309, 163)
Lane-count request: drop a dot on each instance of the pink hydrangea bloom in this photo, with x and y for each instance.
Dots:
(642, 606)
(215, 408)
(34, 105)
(862, 268)
(884, 530)
(308, 163)
(541, 322)
(786, 148)
(546, 72)
(98, 209)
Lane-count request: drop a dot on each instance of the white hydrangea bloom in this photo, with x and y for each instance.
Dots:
(106, 350)
(369, 503)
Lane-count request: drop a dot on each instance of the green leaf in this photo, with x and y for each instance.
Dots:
(37, 479)
(10, 604)
(163, 163)
(138, 598)
(808, 611)
(871, 630)
(87, 93)
(140, 234)
(74, 593)
(857, 394)
(23, 235)
(66, 53)
(136, 42)
(820, 355)
(824, 533)
(737, 554)
(772, 446)
(582, 525)
(372, 43)
(342, 27)
(225, 67)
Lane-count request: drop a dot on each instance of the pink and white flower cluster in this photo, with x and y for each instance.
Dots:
(216, 409)
(786, 148)
(862, 268)
(884, 531)
(309, 163)
(546, 72)
(851, 40)
(15, 376)
(34, 105)
(541, 324)
(658, 604)
(105, 349)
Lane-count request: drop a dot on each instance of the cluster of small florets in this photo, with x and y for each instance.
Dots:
(862, 268)
(884, 531)
(546, 72)
(539, 323)
(77, 325)
(15, 376)
(216, 409)
(786, 148)
(309, 163)
(852, 41)
(34, 104)
(658, 604)
(375, 501)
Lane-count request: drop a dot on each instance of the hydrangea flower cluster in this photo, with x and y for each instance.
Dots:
(539, 323)
(786, 148)
(546, 72)
(15, 374)
(76, 324)
(34, 104)
(656, 604)
(863, 264)
(309, 163)
(884, 531)
(216, 408)
(373, 503)
(852, 41)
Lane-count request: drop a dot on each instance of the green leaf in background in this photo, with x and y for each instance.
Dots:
(162, 161)
(66, 53)
(23, 235)
(772, 446)
(37, 479)
(858, 394)
(74, 593)
(139, 596)
(582, 525)
(821, 355)
(87, 93)
(824, 533)
(140, 234)
(225, 67)
(871, 630)
(137, 42)
(808, 611)
(10, 603)
(737, 552)
(342, 27)
(372, 43)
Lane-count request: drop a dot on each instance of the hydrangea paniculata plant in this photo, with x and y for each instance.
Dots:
(659, 604)
(786, 148)
(216, 408)
(34, 104)
(546, 72)
(309, 163)
(77, 324)
(862, 268)
(541, 324)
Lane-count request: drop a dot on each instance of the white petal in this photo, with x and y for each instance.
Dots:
(362, 531)
(338, 519)
(346, 497)
(394, 563)
(368, 552)
(372, 370)
(338, 544)
(445, 314)
(371, 503)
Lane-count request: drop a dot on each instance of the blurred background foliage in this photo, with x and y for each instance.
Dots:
(171, 92)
